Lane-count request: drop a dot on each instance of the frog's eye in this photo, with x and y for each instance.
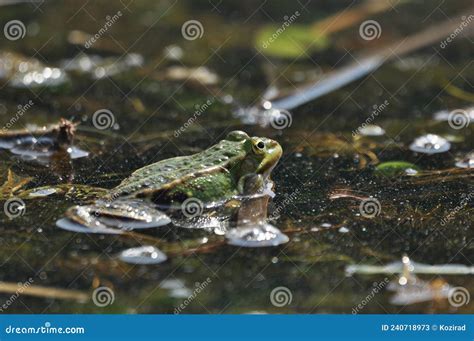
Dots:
(237, 135)
(259, 146)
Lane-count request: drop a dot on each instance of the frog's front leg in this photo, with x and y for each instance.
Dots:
(250, 184)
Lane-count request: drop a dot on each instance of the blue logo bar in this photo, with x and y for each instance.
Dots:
(237, 327)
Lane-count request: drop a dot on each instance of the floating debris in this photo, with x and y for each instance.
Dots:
(415, 268)
(417, 291)
(176, 287)
(256, 236)
(467, 161)
(200, 74)
(409, 289)
(371, 130)
(143, 255)
(173, 52)
(30, 289)
(396, 168)
(343, 229)
(100, 67)
(43, 192)
(23, 72)
(42, 143)
(430, 144)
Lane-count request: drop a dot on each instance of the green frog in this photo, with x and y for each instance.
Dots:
(237, 165)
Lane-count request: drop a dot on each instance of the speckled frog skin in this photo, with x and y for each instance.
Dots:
(239, 164)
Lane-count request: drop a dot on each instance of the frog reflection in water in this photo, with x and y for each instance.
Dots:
(237, 165)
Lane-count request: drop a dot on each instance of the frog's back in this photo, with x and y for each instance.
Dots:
(168, 173)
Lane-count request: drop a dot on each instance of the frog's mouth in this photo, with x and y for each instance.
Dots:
(272, 155)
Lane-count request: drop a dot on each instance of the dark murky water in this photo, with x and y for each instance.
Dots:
(321, 180)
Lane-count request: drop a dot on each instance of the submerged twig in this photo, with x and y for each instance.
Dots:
(45, 292)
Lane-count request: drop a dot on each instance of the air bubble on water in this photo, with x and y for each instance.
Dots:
(430, 144)
(263, 235)
(143, 255)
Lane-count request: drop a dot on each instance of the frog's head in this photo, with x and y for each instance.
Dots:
(262, 154)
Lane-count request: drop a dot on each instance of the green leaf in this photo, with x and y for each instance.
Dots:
(395, 168)
(289, 42)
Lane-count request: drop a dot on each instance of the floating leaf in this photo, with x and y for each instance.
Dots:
(289, 42)
(396, 168)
